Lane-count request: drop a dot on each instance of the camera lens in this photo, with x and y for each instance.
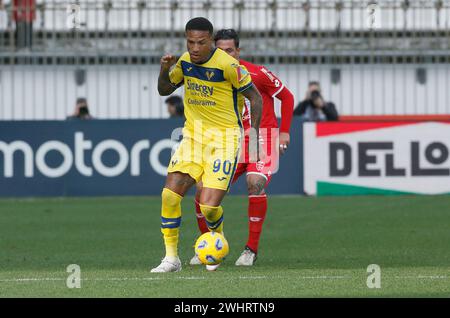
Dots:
(315, 94)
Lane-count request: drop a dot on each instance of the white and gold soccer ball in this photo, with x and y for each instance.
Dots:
(211, 248)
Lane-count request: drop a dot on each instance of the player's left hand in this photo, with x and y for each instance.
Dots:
(284, 142)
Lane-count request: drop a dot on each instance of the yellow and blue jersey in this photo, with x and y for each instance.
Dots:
(211, 90)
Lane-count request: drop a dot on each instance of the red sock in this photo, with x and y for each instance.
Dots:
(257, 208)
(200, 219)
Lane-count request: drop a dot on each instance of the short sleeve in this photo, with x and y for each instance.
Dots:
(176, 74)
(238, 76)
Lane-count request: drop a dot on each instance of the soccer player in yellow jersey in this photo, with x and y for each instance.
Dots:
(214, 89)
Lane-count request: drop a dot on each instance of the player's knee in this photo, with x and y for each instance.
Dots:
(209, 211)
(170, 198)
(256, 186)
(213, 216)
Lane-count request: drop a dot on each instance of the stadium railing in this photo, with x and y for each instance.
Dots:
(405, 41)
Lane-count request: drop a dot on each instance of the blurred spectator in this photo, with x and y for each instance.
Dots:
(175, 106)
(314, 107)
(81, 110)
(4, 16)
(24, 13)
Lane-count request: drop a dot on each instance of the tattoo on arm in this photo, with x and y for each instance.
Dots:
(255, 99)
(165, 87)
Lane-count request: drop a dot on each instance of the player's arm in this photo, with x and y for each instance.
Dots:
(287, 110)
(255, 99)
(241, 80)
(276, 89)
(165, 86)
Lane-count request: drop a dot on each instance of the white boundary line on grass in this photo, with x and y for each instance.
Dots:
(19, 280)
(157, 278)
(423, 277)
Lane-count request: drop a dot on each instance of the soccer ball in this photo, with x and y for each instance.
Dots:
(211, 248)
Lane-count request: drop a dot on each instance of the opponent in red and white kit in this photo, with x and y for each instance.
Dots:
(274, 140)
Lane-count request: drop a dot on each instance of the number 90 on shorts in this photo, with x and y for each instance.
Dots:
(213, 166)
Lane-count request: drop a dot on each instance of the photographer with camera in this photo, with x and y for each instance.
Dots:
(81, 110)
(314, 107)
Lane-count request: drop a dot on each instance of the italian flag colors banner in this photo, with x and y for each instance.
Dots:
(376, 158)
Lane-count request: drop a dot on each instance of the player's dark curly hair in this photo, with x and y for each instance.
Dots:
(199, 24)
(227, 34)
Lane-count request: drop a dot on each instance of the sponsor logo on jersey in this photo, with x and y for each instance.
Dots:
(268, 74)
(201, 102)
(196, 88)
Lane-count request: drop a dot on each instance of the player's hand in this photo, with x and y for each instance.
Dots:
(285, 139)
(167, 61)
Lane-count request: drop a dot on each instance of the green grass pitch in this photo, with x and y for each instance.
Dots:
(311, 247)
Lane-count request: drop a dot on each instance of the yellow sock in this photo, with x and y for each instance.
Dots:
(213, 216)
(170, 220)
